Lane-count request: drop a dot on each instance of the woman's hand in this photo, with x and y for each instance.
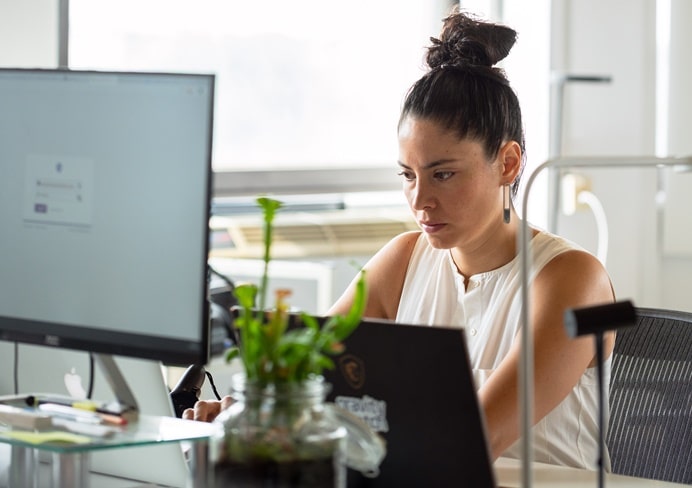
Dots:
(207, 410)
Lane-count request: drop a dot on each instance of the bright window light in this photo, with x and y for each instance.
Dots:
(300, 84)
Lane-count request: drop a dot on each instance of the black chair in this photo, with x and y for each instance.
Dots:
(650, 430)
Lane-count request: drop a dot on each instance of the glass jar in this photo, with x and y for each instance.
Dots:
(278, 436)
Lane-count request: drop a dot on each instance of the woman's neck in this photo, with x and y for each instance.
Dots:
(494, 249)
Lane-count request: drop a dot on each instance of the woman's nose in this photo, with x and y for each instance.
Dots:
(420, 197)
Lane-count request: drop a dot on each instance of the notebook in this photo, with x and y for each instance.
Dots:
(413, 384)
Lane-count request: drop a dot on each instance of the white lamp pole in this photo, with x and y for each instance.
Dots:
(523, 239)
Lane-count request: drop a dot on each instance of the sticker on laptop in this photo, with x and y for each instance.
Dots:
(370, 410)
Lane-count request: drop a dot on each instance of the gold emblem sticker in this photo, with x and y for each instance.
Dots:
(353, 370)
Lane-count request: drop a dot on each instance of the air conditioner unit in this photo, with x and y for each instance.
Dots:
(347, 232)
(309, 283)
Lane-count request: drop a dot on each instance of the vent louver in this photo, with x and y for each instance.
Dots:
(341, 233)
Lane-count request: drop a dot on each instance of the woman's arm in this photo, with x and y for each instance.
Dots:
(572, 279)
(384, 275)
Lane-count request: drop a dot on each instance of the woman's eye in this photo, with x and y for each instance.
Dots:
(443, 175)
(406, 174)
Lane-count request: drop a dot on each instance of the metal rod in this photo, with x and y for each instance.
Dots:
(526, 366)
(557, 96)
(63, 33)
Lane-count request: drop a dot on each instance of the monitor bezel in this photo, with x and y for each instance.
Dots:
(168, 350)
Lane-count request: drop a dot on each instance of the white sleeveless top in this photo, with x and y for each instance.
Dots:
(489, 309)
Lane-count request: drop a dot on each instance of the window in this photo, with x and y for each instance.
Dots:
(300, 84)
(308, 84)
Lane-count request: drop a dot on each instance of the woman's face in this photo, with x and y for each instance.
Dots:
(454, 192)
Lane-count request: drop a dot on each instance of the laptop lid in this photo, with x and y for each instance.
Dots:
(413, 384)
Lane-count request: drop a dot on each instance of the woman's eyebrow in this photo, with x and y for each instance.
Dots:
(430, 165)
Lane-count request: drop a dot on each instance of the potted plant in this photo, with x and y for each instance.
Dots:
(279, 432)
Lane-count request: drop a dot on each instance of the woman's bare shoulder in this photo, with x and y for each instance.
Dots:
(576, 274)
(398, 249)
(574, 260)
(403, 241)
(386, 272)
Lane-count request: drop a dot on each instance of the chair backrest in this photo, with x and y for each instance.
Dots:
(650, 430)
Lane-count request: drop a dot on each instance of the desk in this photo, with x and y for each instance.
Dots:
(71, 460)
(508, 474)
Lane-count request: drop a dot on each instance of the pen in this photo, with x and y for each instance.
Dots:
(111, 418)
(80, 405)
(80, 414)
(33, 401)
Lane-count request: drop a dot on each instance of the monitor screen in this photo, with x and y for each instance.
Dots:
(104, 211)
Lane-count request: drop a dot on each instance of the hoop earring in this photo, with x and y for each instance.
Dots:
(505, 204)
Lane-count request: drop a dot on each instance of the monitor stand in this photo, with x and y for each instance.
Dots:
(125, 403)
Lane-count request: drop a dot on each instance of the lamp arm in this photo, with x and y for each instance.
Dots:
(523, 240)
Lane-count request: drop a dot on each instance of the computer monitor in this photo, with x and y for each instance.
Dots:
(104, 211)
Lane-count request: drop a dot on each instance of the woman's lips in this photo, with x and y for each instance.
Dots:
(431, 227)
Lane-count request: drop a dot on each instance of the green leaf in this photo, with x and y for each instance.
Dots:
(309, 321)
(232, 353)
(344, 326)
(246, 295)
(270, 352)
(269, 207)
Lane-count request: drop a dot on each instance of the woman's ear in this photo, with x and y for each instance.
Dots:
(510, 157)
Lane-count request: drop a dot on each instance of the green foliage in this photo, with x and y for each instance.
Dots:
(271, 353)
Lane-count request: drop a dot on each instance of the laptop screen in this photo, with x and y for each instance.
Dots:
(413, 385)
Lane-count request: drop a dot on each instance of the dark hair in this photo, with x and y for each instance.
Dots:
(464, 91)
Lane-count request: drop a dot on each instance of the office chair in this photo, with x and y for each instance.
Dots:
(650, 429)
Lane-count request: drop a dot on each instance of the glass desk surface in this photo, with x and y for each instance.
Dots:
(74, 436)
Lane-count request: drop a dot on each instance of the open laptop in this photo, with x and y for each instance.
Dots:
(413, 384)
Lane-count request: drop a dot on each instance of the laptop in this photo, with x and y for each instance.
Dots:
(413, 385)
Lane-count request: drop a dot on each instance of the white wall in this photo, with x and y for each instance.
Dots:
(680, 83)
(618, 38)
(29, 33)
(676, 261)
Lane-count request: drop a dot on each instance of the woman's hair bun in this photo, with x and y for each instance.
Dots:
(467, 40)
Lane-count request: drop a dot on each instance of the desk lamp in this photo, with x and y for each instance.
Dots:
(596, 321)
(523, 240)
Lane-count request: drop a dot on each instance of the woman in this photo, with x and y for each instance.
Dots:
(461, 155)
